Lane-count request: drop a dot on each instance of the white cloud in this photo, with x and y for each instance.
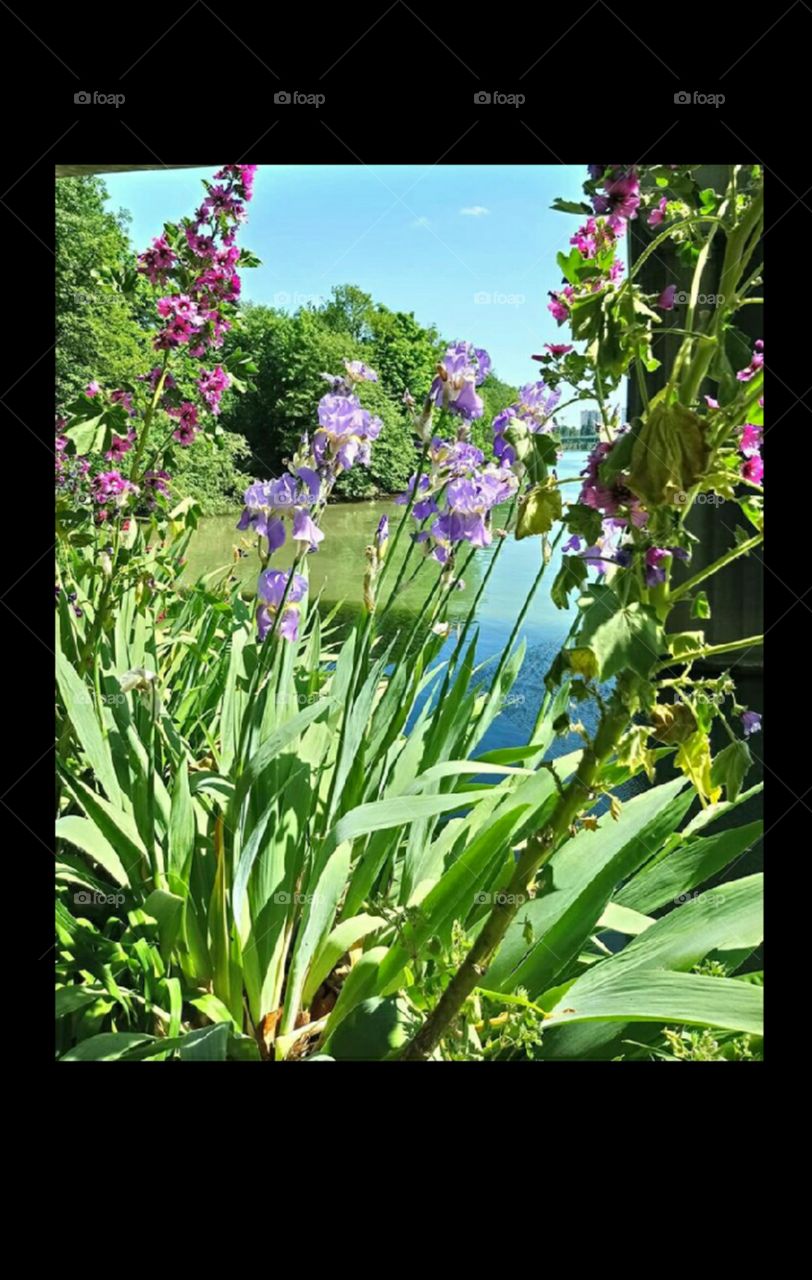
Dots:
(475, 211)
(421, 222)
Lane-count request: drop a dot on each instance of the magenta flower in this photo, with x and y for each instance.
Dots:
(657, 215)
(559, 304)
(666, 299)
(757, 363)
(750, 439)
(753, 469)
(92, 389)
(557, 348)
(119, 445)
(154, 263)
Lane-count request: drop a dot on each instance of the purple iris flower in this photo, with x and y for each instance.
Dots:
(344, 433)
(305, 529)
(461, 370)
(271, 589)
(751, 723)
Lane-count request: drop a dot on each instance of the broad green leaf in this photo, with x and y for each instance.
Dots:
(85, 835)
(654, 995)
(621, 637)
(586, 871)
(116, 826)
(105, 1047)
(344, 936)
(686, 866)
(79, 702)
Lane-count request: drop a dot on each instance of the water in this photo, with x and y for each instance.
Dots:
(337, 571)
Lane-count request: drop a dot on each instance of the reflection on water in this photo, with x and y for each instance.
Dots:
(337, 570)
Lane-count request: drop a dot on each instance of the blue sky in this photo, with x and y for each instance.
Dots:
(470, 248)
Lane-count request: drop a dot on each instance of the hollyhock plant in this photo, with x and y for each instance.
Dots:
(271, 591)
(622, 198)
(614, 497)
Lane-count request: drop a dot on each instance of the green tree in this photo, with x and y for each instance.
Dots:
(100, 302)
(292, 352)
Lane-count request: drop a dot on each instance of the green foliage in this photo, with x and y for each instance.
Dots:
(100, 302)
(214, 470)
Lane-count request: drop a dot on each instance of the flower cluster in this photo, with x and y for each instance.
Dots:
(621, 198)
(462, 369)
(345, 433)
(530, 415)
(194, 270)
(343, 438)
(752, 468)
(614, 497)
(468, 492)
(595, 241)
(110, 490)
(268, 503)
